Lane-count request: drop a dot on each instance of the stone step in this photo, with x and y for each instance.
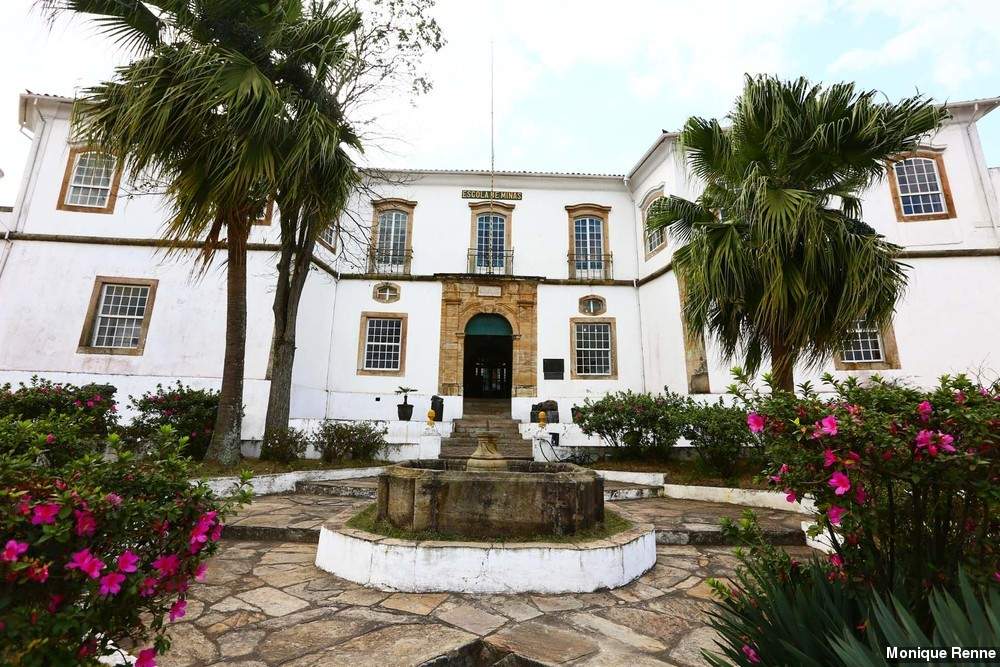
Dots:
(366, 487)
(627, 491)
(474, 442)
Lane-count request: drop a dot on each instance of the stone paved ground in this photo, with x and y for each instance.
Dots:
(265, 604)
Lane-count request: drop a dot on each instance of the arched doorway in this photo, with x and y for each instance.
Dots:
(489, 353)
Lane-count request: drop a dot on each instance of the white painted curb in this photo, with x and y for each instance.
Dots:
(481, 567)
(645, 478)
(771, 500)
(285, 481)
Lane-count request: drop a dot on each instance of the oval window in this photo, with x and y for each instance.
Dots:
(386, 293)
(592, 305)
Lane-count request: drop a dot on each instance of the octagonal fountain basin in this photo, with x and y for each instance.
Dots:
(488, 531)
(526, 499)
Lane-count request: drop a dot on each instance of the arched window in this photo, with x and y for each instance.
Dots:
(593, 305)
(920, 188)
(655, 239)
(491, 233)
(385, 292)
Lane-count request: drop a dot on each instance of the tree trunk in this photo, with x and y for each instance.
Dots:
(293, 269)
(782, 365)
(225, 445)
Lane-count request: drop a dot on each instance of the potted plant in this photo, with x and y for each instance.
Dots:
(404, 410)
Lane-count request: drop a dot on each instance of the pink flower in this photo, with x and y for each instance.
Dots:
(924, 410)
(114, 499)
(54, 601)
(984, 392)
(147, 658)
(147, 587)
(85, 522)
(49, 439)
(828, 425)
(178, 609)
(111, 583)
(39, 573)
(859, 495)
(924, 438)
(835, 514)
(216, 532)
(86, 562)
(960, 397)
(829, 458)
(996, 576)
(756, 422)
(946, 441)
(44, 513)
(840, 483)
(13, 550)
(836, 560)
(167, 565)
(750, 653)
(127, 562)
(199, 572)
(791, 496)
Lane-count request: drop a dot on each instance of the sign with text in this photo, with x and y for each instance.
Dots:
(491, 194)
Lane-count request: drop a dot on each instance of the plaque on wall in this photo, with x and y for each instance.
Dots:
(553, 369)
(490, 290)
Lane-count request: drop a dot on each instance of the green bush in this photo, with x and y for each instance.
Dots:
(285, 445)
(634, 425)
(40, 398)
(99, 550)
(339, 440)
(778, 611)
(190, 412)
(56, 438)
(718, 433)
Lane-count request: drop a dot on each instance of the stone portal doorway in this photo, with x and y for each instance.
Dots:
(488, 357)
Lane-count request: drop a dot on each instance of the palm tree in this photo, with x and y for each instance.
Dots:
(776, 258)
(221, 107)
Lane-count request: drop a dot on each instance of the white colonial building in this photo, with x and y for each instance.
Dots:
(543, 286)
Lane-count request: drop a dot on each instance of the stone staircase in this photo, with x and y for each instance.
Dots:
(485, 417)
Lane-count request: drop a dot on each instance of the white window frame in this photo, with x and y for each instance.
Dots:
(491, 240)
(938, 182)
(368, 345)
(588, 246)
(864, 332)
(390, 247)
(609, 329)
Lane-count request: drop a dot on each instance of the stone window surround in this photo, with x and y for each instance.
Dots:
(90, 320)
(363, 339)
(407, 206)
(603, 309)
(587, 210)
(391, 299)
(573, 321)
(644, 206)
(479, 208)
(949, 203)
(890, 354)
(61, 204)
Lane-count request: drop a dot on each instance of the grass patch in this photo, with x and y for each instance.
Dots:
(258, 467)
(367, 520)
(690, 471)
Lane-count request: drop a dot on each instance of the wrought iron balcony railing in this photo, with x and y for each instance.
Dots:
(584, 266)
(389, 261)
(491, 262)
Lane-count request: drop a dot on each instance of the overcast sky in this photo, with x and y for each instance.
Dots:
(587, 85)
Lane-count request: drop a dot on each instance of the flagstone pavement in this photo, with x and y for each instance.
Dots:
(264, 604)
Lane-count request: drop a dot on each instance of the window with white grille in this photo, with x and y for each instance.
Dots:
(329, 235)
(588, 234)
(91, 180)
(654, 239)
(593, 348)
(863, 345)
(390, 250)
(120, 315)
(490, 240)
(592, 305)
(919, 184)
(386, 292)
(383, 344)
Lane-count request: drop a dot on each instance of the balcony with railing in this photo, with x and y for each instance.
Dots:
(584, 266)
(389, 262)
(486, 261)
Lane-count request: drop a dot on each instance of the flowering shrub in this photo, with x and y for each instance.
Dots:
(56, 438)
(908, 482)
(189, 411)
(718, 433)
(337, 440)
(636, 425)
(42, 397)
(100, 550)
